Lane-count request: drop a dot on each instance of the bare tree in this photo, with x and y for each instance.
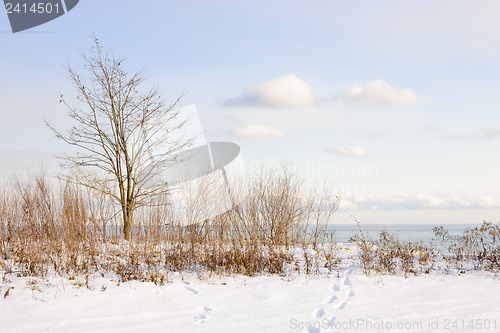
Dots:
(123, 133)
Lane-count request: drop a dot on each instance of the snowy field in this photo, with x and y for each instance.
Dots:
(346, 301)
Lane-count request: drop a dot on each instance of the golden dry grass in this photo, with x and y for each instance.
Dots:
(73, 232)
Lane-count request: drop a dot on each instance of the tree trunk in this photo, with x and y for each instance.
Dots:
(127, 223)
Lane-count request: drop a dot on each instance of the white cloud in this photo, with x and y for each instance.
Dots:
(419, 201)
(347, 151)
(489, 133)
(258, 132)
(492, 132)
(287, 91)
(380, 92)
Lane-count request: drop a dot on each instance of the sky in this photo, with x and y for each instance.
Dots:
(392, 105)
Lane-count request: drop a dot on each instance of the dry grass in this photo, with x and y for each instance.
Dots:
(276, 229)
(476, 249)
(76, 233)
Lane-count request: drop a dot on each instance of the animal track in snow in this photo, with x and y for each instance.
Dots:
(189, 288)
(332, 299)
(202, 317)
(341, 293)
(319, 313)
(313, 330)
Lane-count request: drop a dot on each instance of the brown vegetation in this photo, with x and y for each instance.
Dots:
(477, 248)
(76, 232)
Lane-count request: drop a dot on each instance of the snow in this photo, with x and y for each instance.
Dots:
(344, 301)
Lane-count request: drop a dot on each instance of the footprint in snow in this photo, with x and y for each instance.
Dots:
(340, 306)
(319, 313)
(203, 316)
(341, 293)
(332, 299)
(346, 281)
(189, 288)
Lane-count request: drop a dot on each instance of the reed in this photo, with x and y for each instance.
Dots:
(71, 231)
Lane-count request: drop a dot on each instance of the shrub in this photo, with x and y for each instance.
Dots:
(74, 232)
(477, 248)
(389, 255)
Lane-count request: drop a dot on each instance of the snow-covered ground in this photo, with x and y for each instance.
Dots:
(346, 301)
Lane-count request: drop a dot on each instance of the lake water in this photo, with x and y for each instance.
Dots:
(406, 232)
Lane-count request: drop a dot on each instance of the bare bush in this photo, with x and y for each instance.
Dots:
(389, 255)
(365, 245)
(74, 231)
(478, 247)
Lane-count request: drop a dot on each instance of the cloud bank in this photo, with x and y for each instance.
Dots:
(418, 201)
(488, 133)
(347, 151)
(379, 92)
(287, 91)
